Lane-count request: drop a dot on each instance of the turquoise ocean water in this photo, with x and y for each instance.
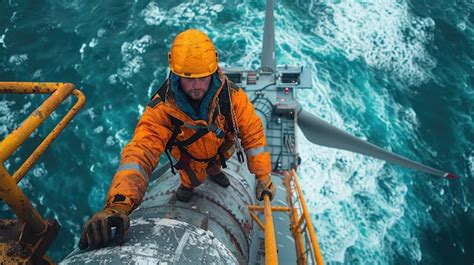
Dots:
(397, 73)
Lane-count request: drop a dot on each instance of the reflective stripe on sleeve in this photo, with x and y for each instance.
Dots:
(133, 166)
(256, 151)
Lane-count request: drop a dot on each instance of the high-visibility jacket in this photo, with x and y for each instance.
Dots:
(155, 128)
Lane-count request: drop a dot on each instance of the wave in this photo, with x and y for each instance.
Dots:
(358, 51)
(385, 34)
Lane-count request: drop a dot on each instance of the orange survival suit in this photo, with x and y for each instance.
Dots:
(157, 126)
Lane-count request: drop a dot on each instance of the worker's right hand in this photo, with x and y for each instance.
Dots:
(97, 232)
(265, 186)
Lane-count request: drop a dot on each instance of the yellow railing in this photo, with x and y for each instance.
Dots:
(9, 191)
(271, 256)
(300, 223)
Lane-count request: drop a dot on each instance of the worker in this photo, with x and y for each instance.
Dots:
(200, 118)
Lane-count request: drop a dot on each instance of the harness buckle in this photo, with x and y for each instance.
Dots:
(214, 128)
(240, 153)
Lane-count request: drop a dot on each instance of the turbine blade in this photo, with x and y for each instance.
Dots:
(322, 133)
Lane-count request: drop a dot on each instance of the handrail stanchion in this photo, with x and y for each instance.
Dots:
(300, 224)
(312, 234)
(271, 256)
(295, 229)
(27, 239)
(20, 204)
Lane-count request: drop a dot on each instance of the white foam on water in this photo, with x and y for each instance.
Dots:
(462, 26)
(38, 74)
(90, 113)
(25, 184)
(217, 8)
(204, 13)
(101, 32)
(39, 170)
(10, 119)
(18, 59)
(98, 129)
(2, 38)
(122, 136)
(471, 163)
(141, 109)
(152, 14)
(132, 58)
(7, 118)
(93, 42)
(136, 47)
(81, 50)
(110, 141)
(384, 33)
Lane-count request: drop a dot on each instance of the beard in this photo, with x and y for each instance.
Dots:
(197, 94)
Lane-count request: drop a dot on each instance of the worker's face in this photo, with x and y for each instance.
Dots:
(195, 88)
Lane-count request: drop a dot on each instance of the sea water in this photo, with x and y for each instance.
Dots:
(396, 73)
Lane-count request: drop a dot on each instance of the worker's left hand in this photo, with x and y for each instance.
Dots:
(265, 186)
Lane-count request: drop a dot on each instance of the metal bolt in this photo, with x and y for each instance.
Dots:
(10, 251)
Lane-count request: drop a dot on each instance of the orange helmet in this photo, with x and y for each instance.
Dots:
(193, 55)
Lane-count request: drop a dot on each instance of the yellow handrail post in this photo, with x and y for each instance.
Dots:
(295, 229)
(271, 256)
(300, 224)
(26, 240)
(20, 204)
(312, 234)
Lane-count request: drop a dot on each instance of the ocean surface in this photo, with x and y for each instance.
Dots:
(397, 73)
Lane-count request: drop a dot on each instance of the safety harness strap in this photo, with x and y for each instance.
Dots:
(200, 133)
(224, 104)
(161, 92)
(177, 123)
(221, 155)
(203, 160)
(226, 109)
(177, 129)
(183, 163)
(192, 176)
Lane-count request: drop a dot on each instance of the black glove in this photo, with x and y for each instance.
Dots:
(265, 186)
(97, 232)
